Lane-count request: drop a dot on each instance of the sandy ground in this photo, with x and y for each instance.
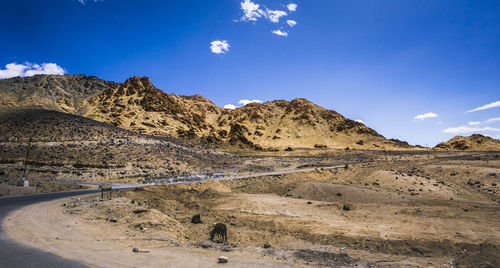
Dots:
(430, 213)
(44, 187)
(43, 226)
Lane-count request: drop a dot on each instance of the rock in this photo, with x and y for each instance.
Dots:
(222, 259)
(113, 220)
(132, 202)
(135, 250)
(346, 207)
(267, 245)
(493, 184)
(196, 219)
(309, 202)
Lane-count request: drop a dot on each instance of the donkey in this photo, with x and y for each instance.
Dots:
(220, 230)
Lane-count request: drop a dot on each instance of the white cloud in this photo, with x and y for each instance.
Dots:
(359, 121)
(475, 123)
(292, 7)
(424, 116)
(491, 120)
(29, 69)
(279, 32)
(219, 46)
(484, 107)
(251, 11)
(275, 15)
(245, 102)
(291, 23)
(466, 129)
(83, 1)
(230, 106)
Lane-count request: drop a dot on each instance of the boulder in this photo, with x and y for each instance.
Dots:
(222, 259)
(196, 219)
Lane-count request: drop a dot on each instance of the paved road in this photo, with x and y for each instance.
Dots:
(13, 254)
(255, 175)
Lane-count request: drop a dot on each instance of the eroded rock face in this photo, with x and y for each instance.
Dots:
(139, 106)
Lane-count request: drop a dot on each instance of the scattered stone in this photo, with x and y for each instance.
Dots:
(346, 207)
(132, 202)
(339, 194)
(222, 259)
(267, 245)
(494, 184)
(196, 219)
(135, 250)
(139, 211)
(309, 202)
(113, 220)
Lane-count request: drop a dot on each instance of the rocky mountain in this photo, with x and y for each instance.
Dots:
(139, 106)
(65, 93)
(475, 142)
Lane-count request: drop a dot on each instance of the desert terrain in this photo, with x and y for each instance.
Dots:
(386, 203)
(436, 210)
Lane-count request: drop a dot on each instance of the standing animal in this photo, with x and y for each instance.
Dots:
(220, 230)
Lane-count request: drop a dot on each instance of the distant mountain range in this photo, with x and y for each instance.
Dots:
(139, 106)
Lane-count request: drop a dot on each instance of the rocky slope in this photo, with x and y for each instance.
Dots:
(139, 106)
(65, 93)
(475, 142)
(63, 143)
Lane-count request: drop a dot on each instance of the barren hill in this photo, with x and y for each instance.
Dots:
(65, 93)
(63, 142)
(139, 106)
(475, 142)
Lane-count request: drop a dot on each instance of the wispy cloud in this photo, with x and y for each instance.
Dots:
(425, 116)
(492, 120)
(466, 129)
(245, 102)
(292, 7)
(251, 11)
(219, 46)
(475, 123)
(291, 23)
(84, 1)
(275, 15)
(230, 106)
(484, 107)
(279, 32)
(29, 69)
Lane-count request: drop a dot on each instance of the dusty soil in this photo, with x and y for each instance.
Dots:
(43, 187)
(436, 212)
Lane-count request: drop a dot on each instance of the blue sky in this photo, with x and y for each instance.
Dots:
(383, 62)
